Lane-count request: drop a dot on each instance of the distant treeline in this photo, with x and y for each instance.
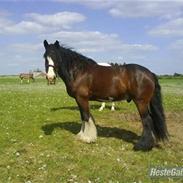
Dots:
(175, 75)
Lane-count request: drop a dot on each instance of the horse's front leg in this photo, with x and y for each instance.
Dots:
(88, 132)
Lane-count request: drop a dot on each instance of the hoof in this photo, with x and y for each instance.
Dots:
(101, 109)
(142, 147)
(112, 109)
(80, 136)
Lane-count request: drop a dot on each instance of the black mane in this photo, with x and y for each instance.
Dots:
(117, 64)
(73, 61)
(74, 58)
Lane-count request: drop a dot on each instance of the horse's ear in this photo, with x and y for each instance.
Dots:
(45, 44)
(57, 44)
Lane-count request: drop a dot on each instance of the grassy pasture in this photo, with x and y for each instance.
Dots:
(38, 124)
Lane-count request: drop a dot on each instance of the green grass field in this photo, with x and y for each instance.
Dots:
(38, 124)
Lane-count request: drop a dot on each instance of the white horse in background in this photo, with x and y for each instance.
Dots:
(103, 103)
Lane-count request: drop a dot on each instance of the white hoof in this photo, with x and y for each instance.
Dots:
(101, 109)
(113, 106)
(102, 106)
(112, 109)
(88, 132)
(86, 139)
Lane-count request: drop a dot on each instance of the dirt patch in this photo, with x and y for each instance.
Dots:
(175, 124)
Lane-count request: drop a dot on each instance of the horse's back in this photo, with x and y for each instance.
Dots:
(141, 81)
(26, 75)
(137, 68)
(103, 73)
(138, 72)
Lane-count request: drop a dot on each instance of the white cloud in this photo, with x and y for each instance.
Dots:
(26, 47)
(62, 19)
(95, 42)
(4, 13)
(4, 20)
(87, 40)
(23, 27)
(41, 23)
(177, 46)
(170, 28)
(135, 9)
(21, 57)
(97, 4)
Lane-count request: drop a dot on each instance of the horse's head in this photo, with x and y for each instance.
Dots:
(51, 56)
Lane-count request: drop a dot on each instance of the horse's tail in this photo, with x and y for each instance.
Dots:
(157, 113)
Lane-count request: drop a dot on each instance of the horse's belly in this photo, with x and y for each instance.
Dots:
(109, 96)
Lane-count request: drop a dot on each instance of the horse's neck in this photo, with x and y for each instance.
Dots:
(69, 85)
(64, 75)
(68, 75)
(69, 70)
(66, 72)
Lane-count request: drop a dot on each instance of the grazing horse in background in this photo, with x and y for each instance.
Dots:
(103, 103)
(27, 76)
(86, 80)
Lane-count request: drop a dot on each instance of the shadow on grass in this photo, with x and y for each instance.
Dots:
(73, 108)
(107, 132)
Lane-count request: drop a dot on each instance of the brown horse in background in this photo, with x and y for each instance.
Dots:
(86, 80)
(27, 76)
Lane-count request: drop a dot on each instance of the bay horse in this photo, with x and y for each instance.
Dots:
(85, 80)
(103, 103)
(27, 76)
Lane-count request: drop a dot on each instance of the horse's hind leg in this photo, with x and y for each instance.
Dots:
(88, 132)
(102, 106)
(113, 106)
(146, 142)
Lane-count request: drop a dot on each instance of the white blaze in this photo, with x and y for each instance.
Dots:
(51, 73)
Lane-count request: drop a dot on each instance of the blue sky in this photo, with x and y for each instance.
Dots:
(149, 33)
